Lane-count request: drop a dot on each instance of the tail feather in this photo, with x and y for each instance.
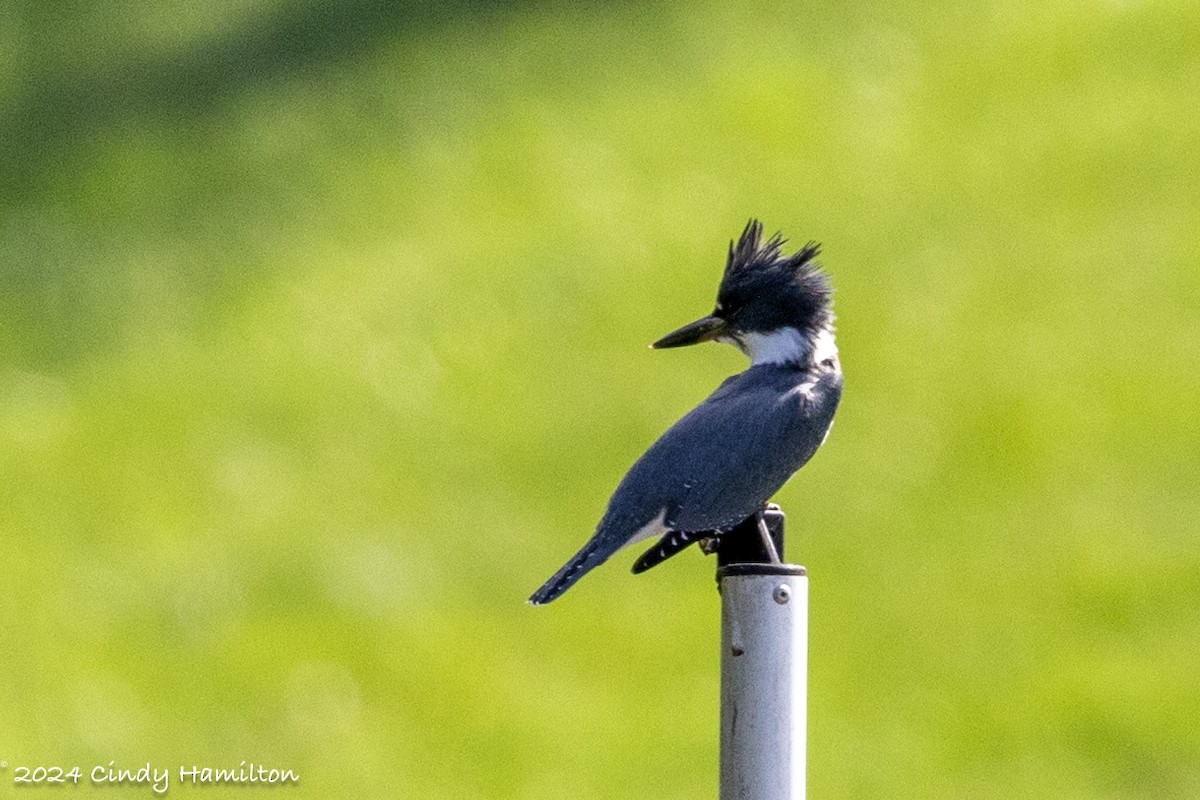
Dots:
(671, 543)
(580, 564)
(612, 534)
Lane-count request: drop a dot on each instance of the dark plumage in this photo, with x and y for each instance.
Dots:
(724, 460)
(764, 290)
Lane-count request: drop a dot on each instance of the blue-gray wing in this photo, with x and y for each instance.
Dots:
(729, 455)
(715, 467)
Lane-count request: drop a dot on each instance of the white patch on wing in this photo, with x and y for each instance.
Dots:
(654, 527)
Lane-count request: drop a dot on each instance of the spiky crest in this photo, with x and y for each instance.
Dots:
(772, 290)
(750, 252)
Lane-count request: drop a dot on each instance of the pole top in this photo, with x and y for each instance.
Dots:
(734, 570)
(744, 544)
(742, 552)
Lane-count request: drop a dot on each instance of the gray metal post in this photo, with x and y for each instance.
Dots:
(764, 680)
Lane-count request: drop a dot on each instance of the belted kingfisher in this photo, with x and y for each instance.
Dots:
(722, 462)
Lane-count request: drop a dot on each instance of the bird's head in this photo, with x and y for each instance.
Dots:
(774, 308)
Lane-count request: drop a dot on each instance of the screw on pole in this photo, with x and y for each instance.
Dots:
(764, 665)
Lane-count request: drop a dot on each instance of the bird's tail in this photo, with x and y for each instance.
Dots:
(593, 554)
(671, 543)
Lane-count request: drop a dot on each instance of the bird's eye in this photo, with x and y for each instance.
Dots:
(827, 363)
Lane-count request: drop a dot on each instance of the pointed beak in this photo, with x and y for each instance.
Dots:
(702, 330)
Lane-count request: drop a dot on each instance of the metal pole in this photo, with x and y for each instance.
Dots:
(764, 674)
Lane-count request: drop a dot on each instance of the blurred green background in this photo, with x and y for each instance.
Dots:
(322, 344)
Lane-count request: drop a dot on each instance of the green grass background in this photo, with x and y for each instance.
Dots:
(322, 344)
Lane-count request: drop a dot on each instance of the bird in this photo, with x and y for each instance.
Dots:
(720, 464)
